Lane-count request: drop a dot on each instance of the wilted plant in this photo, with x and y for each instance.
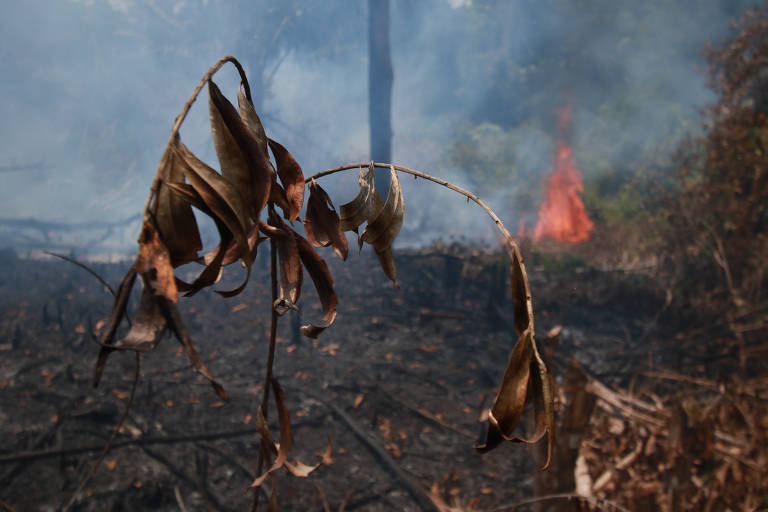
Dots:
(242, 200)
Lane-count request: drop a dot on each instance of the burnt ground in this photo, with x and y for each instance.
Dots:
(411, 369)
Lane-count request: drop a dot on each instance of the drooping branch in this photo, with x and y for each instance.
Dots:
(511, 246)
(185, 110)
(526, 378)
(466, 193)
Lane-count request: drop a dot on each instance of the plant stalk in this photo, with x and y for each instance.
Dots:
(270, 361)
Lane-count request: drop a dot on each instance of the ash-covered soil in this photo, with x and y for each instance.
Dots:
(412, 369)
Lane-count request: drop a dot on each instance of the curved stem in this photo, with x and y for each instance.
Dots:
(188, 105)
(84, 267)
(466, 193)
(511, 246)
(112, 438)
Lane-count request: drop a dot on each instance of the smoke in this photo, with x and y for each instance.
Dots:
(91, 88)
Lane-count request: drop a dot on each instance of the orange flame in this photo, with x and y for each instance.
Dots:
(562, 216)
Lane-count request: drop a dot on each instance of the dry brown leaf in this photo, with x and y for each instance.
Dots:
(382, 230)
(358, 401)
(220, 196)
(244, 161)
(278, 198)
(299, 469)
(251, 119)
(148, 324)
(387, 263)
(213, 260)
(154, 264)
(363, 207)
(233, 250)
(174, 216)
(321, 223)
(526, 378)
(323, 281)
(291, 274)
(292, 177)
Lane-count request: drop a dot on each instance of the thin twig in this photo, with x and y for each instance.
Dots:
(142, 441)
(270, 360)
(439, 181)
(597, 502)
(84, 267)
(104, 452)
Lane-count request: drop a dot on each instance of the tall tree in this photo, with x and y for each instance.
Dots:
(380, 79)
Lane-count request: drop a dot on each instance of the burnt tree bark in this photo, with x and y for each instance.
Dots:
(380, 78)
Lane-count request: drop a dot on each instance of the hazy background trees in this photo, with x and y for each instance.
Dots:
(91, 88)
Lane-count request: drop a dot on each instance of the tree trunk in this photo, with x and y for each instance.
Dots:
(380, 78)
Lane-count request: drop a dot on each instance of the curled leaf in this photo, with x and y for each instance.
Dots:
(291, 274)
(322, 222)
(147, 325)
(323, 281)
(526, 378)
(299, 469)
(382, 230)
(173, 214)
(251, 119)
(220, 196)
(364, 206)
(233, 251)
(387, 263)
(292, 177)
(244, 161)
(278, 198)
(214, 261)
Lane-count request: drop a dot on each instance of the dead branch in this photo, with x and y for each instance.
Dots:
(144, 441)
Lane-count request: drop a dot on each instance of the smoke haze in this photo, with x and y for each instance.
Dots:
(90, 90)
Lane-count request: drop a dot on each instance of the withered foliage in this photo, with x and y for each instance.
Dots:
(702, 448)
(715, 231)
(235, 198)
